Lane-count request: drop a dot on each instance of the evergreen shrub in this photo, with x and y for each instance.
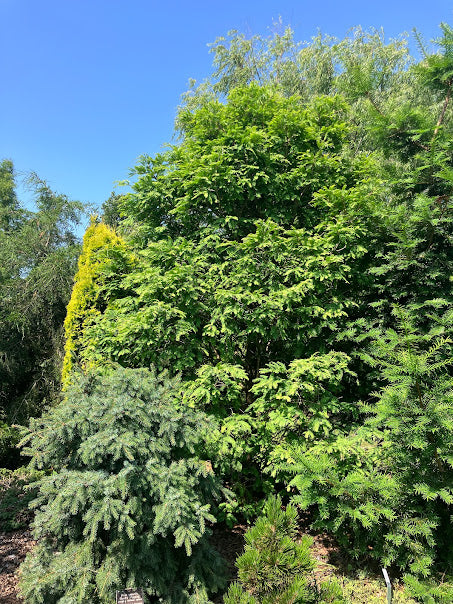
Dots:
(385, 489)
(429, 591)
(275, 567)
(100, 246)
(128, 502)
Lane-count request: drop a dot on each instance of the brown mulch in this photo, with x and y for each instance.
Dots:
(328, 556)
(13, 548)
(229, 542)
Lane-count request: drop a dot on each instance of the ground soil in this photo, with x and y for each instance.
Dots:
(13, 549)
(229, 542)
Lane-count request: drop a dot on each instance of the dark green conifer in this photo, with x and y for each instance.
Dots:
(128, 500)
(385, 489)
(275, 566)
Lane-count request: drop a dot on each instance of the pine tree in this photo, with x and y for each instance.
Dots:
(275, 566)
(128, 501)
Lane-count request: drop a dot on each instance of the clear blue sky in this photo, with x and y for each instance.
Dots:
(89, 85)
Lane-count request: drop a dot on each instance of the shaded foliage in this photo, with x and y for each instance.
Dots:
(38, 255)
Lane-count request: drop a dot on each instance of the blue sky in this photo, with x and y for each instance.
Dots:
(89, 85)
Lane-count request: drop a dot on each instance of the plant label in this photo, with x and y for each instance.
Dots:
(130, 596)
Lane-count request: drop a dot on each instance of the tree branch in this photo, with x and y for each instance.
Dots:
(442, 113)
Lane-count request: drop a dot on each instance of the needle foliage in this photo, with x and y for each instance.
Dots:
(128, 501)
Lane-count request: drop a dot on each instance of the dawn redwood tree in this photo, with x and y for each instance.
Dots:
(245, 251)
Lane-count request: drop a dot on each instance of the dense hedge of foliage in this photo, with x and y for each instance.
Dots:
(385, 488)
(288, 263)
(274, 247)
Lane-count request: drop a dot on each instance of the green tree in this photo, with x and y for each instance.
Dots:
(111, 210)
(101, 247)
(9, 207)
(128, 502)
(275, 566)
(385, 489)
(250, 244)
(399, 108)
(38, 255)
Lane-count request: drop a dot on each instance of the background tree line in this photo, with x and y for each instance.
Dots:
(38, 258)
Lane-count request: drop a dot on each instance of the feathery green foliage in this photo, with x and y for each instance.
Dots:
(385, 490)
(430, 592)
(250, 244)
